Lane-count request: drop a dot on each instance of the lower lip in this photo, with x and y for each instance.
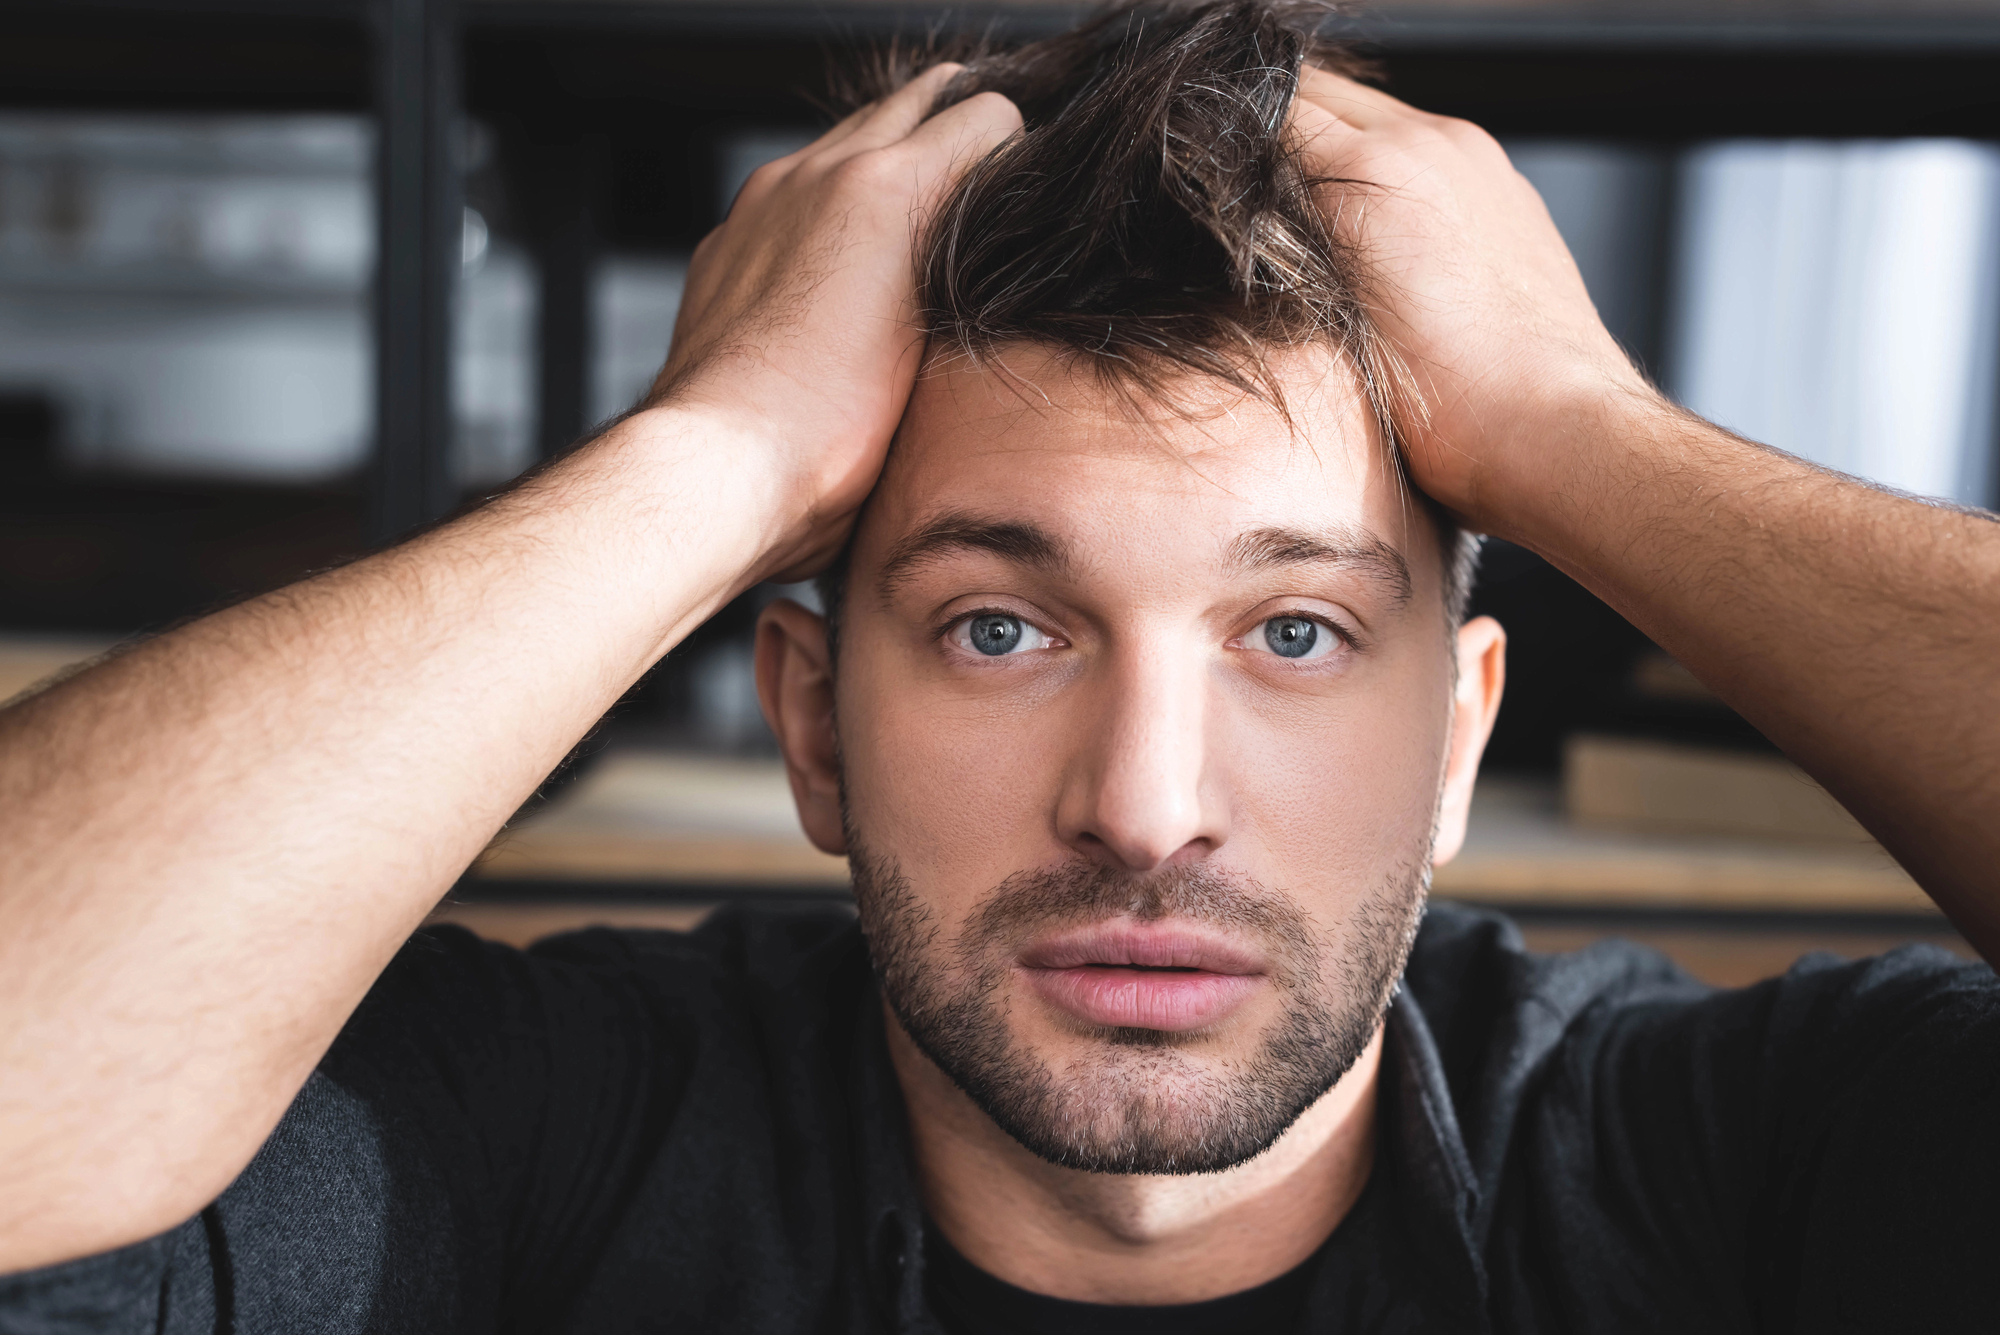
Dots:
(1173, 1001)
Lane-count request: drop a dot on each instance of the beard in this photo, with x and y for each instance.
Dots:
(1139, 1100)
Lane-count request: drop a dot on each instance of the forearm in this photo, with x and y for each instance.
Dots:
(211, 845)
(1857, 629)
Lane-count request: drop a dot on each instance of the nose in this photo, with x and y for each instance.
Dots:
(1137, 793)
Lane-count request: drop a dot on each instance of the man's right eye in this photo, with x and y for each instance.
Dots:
(995, 634)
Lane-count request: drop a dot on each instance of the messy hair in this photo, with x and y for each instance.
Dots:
(1153, 217)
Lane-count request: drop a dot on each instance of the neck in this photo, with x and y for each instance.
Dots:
(1134, 1240)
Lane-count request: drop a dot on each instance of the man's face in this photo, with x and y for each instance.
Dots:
(1142, 728)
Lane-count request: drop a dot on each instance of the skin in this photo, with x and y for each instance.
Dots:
(1150, 727)
(210, 845)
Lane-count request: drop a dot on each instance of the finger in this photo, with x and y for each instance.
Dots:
(895, 116)
(969, 130)
(765, 179)
(867, 127)
(845, 128)
(1317, 128)
(841, 130)
(1354, 104)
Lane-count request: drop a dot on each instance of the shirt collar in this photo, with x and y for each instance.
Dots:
(1432, 1189)
(892, 1209)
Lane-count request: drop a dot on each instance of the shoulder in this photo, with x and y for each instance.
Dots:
(525, 1094)
(1694, 1142)
(448, 987)
(1616, 1018)
(1489, 1001)
(780, 946)
(737, 946)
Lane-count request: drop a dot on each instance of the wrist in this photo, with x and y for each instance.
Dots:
(1566, 456)
(716, 480)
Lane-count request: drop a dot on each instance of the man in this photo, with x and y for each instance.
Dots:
(1142, 708)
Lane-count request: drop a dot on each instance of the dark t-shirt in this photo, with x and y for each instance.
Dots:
(632, 1131)
(968, 1301)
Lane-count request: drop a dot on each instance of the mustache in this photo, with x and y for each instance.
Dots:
(1077, 893)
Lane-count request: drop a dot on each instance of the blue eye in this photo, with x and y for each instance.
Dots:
(994, 635)
(999, 635)
(1293, 637)
(1290, 637)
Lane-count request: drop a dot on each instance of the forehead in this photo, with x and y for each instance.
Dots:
(1029, 438)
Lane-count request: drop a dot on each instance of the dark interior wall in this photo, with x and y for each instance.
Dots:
(1672, 92)
(188, 57)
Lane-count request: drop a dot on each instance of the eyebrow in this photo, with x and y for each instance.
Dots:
(959, 531)
(1349, 549)
(1261, 549)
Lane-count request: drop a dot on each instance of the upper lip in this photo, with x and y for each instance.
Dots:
(1155, 945)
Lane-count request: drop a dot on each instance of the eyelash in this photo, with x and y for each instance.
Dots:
(961, 618)
(1345, 636)
(1325, 623)
(1345, 641)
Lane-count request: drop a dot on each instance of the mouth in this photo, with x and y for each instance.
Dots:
(1171, 977)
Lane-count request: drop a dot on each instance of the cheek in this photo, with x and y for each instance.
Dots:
(1332, 795)
(960, 789)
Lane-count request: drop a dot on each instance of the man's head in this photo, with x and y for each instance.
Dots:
(1153, 709)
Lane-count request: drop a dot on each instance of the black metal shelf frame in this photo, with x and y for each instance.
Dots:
(421, 201)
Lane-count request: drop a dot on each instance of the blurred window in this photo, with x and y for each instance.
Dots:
(1608, 201)
(494, 380)
(1839, 300)
(633, 304)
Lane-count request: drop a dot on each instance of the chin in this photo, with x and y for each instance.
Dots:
(1140, 1102)
(1135, 1101)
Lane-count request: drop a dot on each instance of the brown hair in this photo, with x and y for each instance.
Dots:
(1152, 217)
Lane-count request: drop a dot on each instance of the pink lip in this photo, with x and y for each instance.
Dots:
(1117, 974)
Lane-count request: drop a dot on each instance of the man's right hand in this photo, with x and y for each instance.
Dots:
(799, 323)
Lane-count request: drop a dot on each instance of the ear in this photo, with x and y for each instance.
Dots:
(795, 687)
(1482, 673)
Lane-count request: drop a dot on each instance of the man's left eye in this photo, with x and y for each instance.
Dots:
(996, 635)
(1292, 637)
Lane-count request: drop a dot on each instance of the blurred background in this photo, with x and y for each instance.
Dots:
(281, 281)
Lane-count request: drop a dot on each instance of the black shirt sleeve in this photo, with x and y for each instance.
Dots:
(454, 1164)
(528, 1089)
(1818, 1152)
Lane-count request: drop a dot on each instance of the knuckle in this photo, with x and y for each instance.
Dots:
(1464, 133)
(766, 177)
(867, 173)
(992, 105)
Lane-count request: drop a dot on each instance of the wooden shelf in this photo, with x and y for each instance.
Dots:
(1519, 849)
(639, 815)
(30, 660)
